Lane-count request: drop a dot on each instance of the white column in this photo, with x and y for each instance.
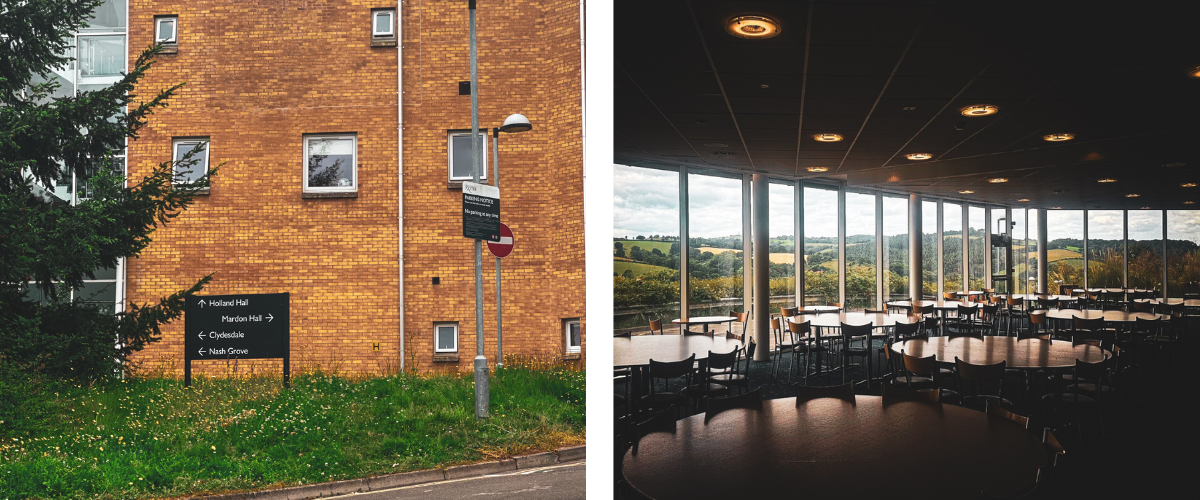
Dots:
(1043, 267)
(916, 255)
(683, 243)
(762, 267)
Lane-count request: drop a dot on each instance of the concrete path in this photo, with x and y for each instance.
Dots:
(562, 481)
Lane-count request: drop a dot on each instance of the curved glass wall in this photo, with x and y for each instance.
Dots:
(715, 251)
(860, 251)
(952, 247)
(645, 247)
(976, 252)
(895, 248)
(929, 249)
(1064, 249)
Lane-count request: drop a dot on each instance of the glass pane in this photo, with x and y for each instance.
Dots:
(101, 58)
(715, 244)
(929, 249)
(445, 338)
(105, 273)
(895, 248)
(645, 216)
(199, 166)
(1145, 249)
(573, 339)
(331, 162)
(108, 16)
(166, 30)
(461, 156)
(820, 246)
(952, 257)
(783, 245)
(383, 22)
(1183, 252)
(860, 251)
(1031, 247)
(977, 267)
(1106, 249)
(97, 292)
(1020, 253)
(1064, 247)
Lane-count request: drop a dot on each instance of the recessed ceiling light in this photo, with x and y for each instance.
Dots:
(1106, 179)
(980, 110)
(1132, 195)
(1056, 208)
(752, 27)
(1145, 208)
(1189, 202)
(1058, 137)
(764, 86)
(919, 156)
(818, 169)
(965, 191)
(723, 154)
(909, 108)
(828, 137)
(1194, 72)
(1023, 200)
(716, 145)
(997, 180)
(1173, 165)
(1188, 185)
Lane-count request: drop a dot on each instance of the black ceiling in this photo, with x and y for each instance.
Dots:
(1114, 75)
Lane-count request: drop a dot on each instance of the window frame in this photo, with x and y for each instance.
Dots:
(567, 335)
(158, 21)
(450, 135)
(353, 187)
(176, 141)
(437, 330)
(391, 33)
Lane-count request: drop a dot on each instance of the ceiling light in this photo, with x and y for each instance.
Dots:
(980, 110)
(1023, 200)
(1132, 195)
(1058, 137)
(723, 154)
(1194, 72)
(715, 145)
(1106, 179)
(965, 191)
(1189, 202)
(997, 180)
(828, 137)
(909, 108)
(752, 27)
(1056, 208)
(818, 169)
(764, 86)
(919, 156)
(1188, 185)
(1173, 165)
(1145, 208)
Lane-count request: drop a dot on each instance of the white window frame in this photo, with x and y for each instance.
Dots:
(158, 22)
(450, 135)
(567, 335)
(439, 326)
(191, 140)
(391, 32)
(353, 187)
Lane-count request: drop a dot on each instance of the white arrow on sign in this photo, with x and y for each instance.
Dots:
(270, 317)
(201, 335)
(201, 351)
(201, 303)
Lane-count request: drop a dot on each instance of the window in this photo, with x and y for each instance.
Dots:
(330, 162)
(165, 29)
(445, 337)
(382, 23)
(187, 173)
(574, 335)
(460, 155)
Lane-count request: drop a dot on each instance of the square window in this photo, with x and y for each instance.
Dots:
(382, 23)
(187, 174)
(166, 29)
(574, 335)
(330, 163)
(459, 148)
(445, 337)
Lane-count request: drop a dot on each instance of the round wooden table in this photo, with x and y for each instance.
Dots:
(831, 448)
(1109, 316)
(819, 309)
(1042, 296)
(1173, 302)
(1029, 353)
(639, 350)
(835, 320)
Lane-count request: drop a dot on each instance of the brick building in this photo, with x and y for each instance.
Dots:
(332, 122)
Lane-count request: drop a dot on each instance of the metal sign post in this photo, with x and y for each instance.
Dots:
(481, 369)
(237, 327)
(500, 248)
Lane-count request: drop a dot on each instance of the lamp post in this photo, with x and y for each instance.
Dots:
(515, 123)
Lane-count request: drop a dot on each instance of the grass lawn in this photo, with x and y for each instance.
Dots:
(638, 268)
(141, 438)
(645, 245)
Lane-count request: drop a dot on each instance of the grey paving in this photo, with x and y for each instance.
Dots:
(562, 481)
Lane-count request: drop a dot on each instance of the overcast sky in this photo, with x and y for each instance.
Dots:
(646, 202)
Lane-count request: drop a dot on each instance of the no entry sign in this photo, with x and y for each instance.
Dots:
(504, 246)
(481, 211)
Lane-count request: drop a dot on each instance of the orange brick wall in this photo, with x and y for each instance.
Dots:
(262, 74)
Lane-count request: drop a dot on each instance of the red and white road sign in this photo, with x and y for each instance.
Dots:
(503, 247)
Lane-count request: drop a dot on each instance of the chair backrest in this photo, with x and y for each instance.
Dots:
(906, 330)
(799, 330)
(805, 393)
(1147, 327)
(1142, 306)
(1091, 342)
(663, 421)
(925, 367)
(849, 331)
(656, 326)
(949, 295)
(1037, 317)
(751, 400)
(921, 310)
(672, 369)
(980, 373)
(1057, 452)
(1092, 372)
(835, 304)
(1013, 301)
(894, 393)
(777, 330)
(995, 410)
(875, 311)
(788, 312)
(1090, 325)
(1047, 303)
(719, 361)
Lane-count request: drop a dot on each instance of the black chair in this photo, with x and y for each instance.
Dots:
(905, 331)
(849, 333)
(663, 421)
(998, 411)
(656, 326)
(894, 393)
(750, 400)
(806, 393)
(727, 370)
(802, 340)
(782, 346)
(1069, 403)
(981, 382)
(667, 372)
(967, 323)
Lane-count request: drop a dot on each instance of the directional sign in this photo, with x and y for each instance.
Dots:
(481, 211)
(236, 327)
(505, 246)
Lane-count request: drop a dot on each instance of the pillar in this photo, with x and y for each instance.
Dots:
(762, 266)
(1043, 267)
(916, 257)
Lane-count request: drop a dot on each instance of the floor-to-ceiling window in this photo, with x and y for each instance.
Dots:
(645, 246)
(1183, 252)
(715, 285)
(1064, 247)
(929, 248)
(1145, 249)
(860, 251)
(975, 247)
(1106, 248)
(1020, 254)
(895, 248)
(952, 250)
(782, 232)
(1031, 249)
(820, 245)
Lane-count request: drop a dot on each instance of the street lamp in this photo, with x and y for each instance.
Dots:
(515, 123)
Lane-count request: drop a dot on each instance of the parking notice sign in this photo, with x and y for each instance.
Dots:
(481, 211)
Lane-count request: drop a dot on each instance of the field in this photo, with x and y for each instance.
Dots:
(777, 257)
(638, 268)
(1060, 254)
(647, 245)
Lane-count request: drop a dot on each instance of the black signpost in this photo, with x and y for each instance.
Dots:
(236, 327)
(481, 211)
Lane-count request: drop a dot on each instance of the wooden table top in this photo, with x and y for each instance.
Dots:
(1171, 301)
(1042, 296)
(835, 319)
(1029, 353)
(1109, 290)
(819, 309)
(639, 350)
(936, 304)
(832, 448)
(1109, 316)
(703, 320)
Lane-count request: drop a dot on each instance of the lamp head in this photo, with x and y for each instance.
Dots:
(516, 122)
